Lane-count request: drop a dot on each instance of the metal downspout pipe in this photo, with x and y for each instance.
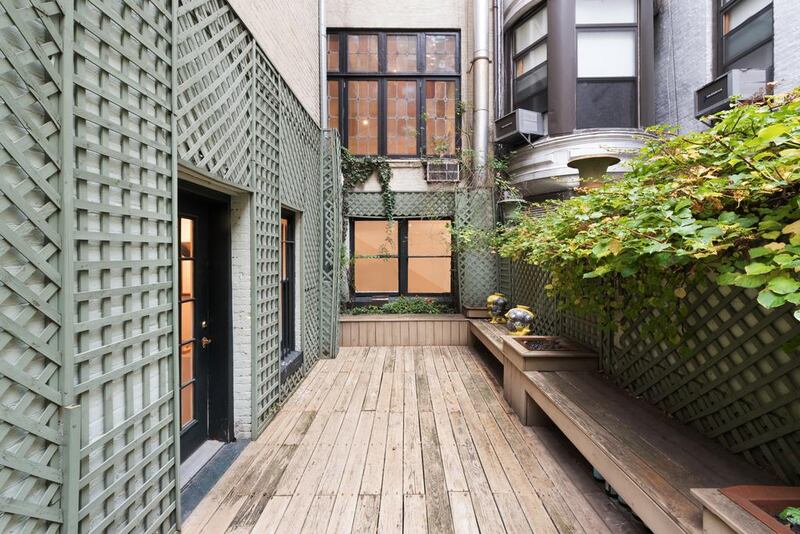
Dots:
(323, 67)
(480, 89)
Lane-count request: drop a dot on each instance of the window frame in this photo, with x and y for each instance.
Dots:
(402, 264)
(514, 55)
(614, 27)
(343, 76)
(723, 6)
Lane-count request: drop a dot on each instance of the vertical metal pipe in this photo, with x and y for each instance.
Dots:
(323, 67)
(480, 88)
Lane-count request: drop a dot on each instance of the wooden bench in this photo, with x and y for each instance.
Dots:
(489, 335)
(652, 461)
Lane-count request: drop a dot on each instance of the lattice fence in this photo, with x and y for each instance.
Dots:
(123, 331)
(215, 90)
(731, 373)
(331, 243)
(31, 80)
(266, 273)
(477, 270)
(407, 204)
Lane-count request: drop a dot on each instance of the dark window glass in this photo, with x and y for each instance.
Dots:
(529, 71)
(747, 37)
(746, 32)
(607, 104)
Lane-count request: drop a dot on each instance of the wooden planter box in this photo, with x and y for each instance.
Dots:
(765, 502)
(475, 313)
(573, 357)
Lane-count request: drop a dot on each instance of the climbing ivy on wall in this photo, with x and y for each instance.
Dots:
(357, 170)
(723, 203)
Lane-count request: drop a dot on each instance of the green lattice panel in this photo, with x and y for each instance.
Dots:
(331, 243)
(407, 204)
(528, 288)
(215, 70)
(122, 196)
(266, 348)
(477, 270)
(729, 375)
(300, 188)
(30, 282)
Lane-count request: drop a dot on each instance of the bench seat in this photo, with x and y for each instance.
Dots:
(652, 461)
(490, 335)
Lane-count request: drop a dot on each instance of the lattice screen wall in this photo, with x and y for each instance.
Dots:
(88, 179)
(331, 243)
(477, 270)
(730, 375)
(31, 237)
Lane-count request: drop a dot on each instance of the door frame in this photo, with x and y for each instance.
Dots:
(220, 389)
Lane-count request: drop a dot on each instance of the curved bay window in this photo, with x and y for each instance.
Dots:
(745, 29)
(394, 93)
(529, 47)
(607, 95)
(401, 257)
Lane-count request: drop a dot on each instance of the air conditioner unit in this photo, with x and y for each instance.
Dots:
(518, 123)
(715, 96)
(442, 171)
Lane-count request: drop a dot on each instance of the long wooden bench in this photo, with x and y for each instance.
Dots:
(652, 461)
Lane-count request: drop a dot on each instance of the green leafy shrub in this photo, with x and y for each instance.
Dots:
(723, 203)
(404, 305)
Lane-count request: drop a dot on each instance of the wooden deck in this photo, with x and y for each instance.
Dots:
(405, 439)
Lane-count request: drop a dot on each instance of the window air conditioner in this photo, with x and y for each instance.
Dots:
(442, 171)
(714, 96)
(518, 123)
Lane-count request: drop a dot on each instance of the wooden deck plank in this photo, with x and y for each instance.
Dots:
(403, 439)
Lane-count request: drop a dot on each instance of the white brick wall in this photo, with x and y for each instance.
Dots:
(685, 52)
(241, 282)
(288, 32)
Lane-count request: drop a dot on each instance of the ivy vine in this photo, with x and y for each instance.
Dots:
(357, 170)
(722, 204)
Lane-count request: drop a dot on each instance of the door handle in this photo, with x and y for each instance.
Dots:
(204, 342)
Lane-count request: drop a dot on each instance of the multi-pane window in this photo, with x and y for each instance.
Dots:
(394, 93)
(530, 62)
(606, 48)
(745, 30)
(401, 257)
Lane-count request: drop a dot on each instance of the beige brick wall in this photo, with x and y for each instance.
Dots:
(288, 31)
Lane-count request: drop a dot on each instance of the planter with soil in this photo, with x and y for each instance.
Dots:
(548, 353)
(474, 312)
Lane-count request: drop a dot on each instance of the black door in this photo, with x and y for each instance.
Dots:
(291, 358)
(205, 350)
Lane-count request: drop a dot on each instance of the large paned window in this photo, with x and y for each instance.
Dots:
(529, 62)
(401, 257)
(607, 87)
(745, 28)
(394, 93)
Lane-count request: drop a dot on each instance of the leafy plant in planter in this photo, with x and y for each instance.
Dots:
(721, 204)
(404, 305)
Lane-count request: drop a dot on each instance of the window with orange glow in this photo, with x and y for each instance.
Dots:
(186, 298)
(402, 257)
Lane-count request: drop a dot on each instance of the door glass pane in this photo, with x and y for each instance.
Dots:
(362, 53)
(333, 53)
(284, 232)
(187, 362)
(429, 275)
(401, 117)
(187, 320)
(362, 117)
(428, 238)
(187, 279)
(333, 104)
(440, 123)
(375, 238)
(187, 237)
(605, 11)
(376, 275)
(742, 11)
(440, 53)
(530, 31)
(606, 54)
(187, 404)
(401, 53)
